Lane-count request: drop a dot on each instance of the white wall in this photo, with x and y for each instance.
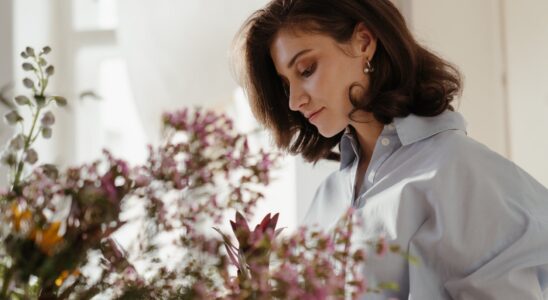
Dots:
(501, 48)
(6, 70)
(6, 77)
(527, 61)
(467, 33)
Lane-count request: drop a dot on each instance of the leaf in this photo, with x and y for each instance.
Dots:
(48, 119)
(29, 51)
(24, 54)
(31, 156)
(50, 171)
(22, 100)
(9, 158)
(229, 247)
(28, 66)
(42, 62)
(28, 83)
(46, 50)
(61, 101)
(389, 286)
(89, 93)
(13, 117)
(46, 132)
(50, 70)
(18, 142)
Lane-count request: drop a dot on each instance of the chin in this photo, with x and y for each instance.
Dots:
(329, 132)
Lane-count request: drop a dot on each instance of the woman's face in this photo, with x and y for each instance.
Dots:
(318, 73)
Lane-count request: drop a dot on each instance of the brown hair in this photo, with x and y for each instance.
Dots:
(408, 79)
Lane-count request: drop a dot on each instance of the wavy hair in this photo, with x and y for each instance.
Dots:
(408, 78)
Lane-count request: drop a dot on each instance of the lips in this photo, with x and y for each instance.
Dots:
(309, 117)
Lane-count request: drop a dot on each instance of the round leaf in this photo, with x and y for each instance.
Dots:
(42, 61)
(46, 132)
(9, 158)
(28, 67)
(30, 51)
(28, 83)
(13, 117)
(48, 119)
(46, 50)
(18, 142)
(49, 70)
(22, 100)
(50, 171)
(24, 55)
(31, 156)
(61, 101)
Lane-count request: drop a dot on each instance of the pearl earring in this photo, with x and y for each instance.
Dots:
(368, 68)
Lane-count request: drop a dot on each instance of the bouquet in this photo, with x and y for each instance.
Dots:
(58, 227)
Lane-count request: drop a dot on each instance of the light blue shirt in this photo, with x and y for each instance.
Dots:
(477, 223)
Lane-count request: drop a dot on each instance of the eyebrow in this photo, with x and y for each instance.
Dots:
(292, 61)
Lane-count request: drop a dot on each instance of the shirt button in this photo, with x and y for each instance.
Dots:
(385, 142)
(371, 176)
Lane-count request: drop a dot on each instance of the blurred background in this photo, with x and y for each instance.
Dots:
(121, 63)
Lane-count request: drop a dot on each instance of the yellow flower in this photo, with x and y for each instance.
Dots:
(49, 238)
(64, 275)
(19, 217)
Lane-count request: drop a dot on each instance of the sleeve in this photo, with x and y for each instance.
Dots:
(487, 237)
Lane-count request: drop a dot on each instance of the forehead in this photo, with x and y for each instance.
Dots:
(287, 43)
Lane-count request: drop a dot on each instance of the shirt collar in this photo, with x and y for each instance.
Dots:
(409, 130)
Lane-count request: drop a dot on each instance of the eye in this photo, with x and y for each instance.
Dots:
(308, 71)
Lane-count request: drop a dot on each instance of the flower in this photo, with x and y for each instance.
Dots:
(48, 239)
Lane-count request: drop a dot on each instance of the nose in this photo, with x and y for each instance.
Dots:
(297, 98)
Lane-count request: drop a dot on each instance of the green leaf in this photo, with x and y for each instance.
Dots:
(28, 67)
(46, 132)
(31, 156)
(46, 50)
(24, 55)
(9, 158)
(48, 119)
(22, 100)
(30, 51)
(50, 171)
(49, 70)
(42, 61)
(13, 117)
(28, 83)
(61, 101)
(389, 286)
(18, 142)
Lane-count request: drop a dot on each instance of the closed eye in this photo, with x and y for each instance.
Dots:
(308, 71)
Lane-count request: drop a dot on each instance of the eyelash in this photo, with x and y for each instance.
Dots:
(306, 73)
(309, 71)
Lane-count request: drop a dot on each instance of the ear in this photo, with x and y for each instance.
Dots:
(364, 43)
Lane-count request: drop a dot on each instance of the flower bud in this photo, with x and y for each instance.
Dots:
(18, 142)
(31, 156)
(46, 132)
(48, 119)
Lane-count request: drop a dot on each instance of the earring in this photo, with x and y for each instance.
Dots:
(368, 68)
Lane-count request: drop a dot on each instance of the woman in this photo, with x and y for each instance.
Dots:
(347, 74)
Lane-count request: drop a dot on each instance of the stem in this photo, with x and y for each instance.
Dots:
(6, 283)
(30, 139)
(28, 142)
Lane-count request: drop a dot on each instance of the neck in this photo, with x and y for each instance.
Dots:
(367, 134)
